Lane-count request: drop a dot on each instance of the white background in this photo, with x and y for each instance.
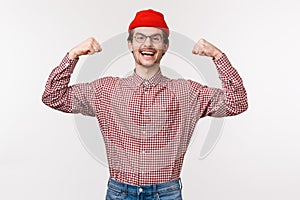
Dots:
(257, 157)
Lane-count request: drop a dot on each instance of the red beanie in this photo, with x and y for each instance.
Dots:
(149, 18)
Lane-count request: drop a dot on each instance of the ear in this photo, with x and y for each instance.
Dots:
(130, 47)
(166, 47)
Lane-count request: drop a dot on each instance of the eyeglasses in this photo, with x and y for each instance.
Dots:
(141, 38)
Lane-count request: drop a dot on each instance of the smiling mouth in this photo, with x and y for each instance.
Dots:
(148, 52)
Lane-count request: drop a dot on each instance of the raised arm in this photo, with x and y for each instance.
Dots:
(78, 98)
(228, 101)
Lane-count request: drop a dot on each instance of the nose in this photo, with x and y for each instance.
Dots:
(148, 42)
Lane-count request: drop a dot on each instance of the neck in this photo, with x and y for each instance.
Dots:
(146, 72)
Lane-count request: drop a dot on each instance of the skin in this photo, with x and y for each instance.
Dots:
(145, 66)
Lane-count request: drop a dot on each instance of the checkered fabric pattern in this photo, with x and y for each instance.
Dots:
(146, 124)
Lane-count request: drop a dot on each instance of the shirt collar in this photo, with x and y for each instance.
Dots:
(153, 81)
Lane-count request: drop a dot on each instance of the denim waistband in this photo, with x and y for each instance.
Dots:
(145, 189)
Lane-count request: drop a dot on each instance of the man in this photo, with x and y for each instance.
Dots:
(146, 119)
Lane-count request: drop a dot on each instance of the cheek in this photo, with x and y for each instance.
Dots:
(136, 54)
(162, 48)
(160, 52)
(135, 46)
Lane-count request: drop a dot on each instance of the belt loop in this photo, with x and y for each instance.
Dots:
(125, 190)
(109, 182)
(180, 183)
(154, 188)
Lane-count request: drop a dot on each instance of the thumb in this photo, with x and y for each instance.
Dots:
(196, 49)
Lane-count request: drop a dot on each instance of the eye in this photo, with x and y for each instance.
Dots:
(156, 38)
(140, 37)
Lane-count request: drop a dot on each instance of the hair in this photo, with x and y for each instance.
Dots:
(165, 36)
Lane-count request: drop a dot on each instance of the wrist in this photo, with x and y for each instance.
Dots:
(217, 55)
(72, 55)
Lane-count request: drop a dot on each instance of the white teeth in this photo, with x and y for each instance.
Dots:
(147, 53)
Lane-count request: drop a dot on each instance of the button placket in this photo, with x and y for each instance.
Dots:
(145, 118)
(146, 85)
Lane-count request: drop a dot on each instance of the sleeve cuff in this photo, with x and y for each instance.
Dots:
(223, 62)
(227, 72)
(68, 64)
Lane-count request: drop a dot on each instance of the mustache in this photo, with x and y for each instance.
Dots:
(152, 49)
(148, 49)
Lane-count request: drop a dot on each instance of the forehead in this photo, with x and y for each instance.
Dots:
(147, 30)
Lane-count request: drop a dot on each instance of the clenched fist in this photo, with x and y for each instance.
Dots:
(87, 47)
(204, 48)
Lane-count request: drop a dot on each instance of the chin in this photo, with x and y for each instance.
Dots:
(148, 64)
(146, 59)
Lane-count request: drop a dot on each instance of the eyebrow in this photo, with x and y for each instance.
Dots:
(148, 35)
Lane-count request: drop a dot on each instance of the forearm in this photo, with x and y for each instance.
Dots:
(57, 93)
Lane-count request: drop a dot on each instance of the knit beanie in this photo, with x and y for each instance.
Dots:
(149, 18)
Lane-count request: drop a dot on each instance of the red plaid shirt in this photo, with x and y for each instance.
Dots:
(146, 124)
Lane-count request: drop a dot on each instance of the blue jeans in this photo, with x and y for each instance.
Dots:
(162, 191)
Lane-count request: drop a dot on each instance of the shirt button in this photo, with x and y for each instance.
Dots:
(140, 189)
(67, 64)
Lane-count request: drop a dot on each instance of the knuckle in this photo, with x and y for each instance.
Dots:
(201, 40)
(90, 46)
(91, 40)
